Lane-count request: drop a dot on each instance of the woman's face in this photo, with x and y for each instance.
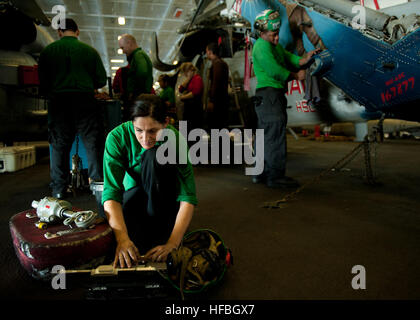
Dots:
(147, 131)
(189, 73)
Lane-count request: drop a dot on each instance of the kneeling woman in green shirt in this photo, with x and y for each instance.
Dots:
(149, 205)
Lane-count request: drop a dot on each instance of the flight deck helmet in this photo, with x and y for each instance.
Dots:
(268, 20)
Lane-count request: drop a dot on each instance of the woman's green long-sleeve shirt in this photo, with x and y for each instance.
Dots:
(123, 151)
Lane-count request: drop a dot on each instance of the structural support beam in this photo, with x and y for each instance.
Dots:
(361, 129)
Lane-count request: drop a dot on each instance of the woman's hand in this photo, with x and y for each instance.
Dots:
(186, 96)
(160, 253)
(126, 254)
(183, 219)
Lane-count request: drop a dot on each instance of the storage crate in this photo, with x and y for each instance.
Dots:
(16, 158)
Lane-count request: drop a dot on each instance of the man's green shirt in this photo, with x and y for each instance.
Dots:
(272, 64)
(123, 151)
(140, 73)
(69, 65)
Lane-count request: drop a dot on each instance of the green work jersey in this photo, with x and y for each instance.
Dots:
(272, 64)
(168, 94)
(123, 151)
(69, 65)
(140, 73)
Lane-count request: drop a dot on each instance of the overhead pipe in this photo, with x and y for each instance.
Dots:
(154, 48)
(154, 56)
(374, 19)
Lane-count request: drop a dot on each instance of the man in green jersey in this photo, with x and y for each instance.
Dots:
(140, 73)
(274, 67)
(167, 95)
(69, 73)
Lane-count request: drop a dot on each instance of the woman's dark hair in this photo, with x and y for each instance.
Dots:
(149, 105)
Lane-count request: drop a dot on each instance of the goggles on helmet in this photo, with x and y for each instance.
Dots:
(268, 20)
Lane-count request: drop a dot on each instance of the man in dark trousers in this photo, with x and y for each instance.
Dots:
(69, 72)
(274, 67)
(218, 105)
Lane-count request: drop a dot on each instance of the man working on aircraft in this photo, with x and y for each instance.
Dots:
(69, 72)
(139, 76)
(274, 67)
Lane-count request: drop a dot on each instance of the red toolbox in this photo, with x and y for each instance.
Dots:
(38, 255)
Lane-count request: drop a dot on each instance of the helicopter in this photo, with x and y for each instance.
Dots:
(367, 68)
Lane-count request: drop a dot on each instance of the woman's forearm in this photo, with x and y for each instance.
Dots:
(187, 96)
(126, 253)
(114, 213)
(182, 222)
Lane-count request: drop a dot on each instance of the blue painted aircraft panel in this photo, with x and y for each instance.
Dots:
(362, 66)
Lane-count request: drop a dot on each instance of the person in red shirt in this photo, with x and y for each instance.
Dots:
(119, 85)
(191, 95)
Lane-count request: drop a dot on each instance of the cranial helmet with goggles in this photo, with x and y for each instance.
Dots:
(268, 20)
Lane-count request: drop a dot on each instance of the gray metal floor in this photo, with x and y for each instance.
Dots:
(305, 250)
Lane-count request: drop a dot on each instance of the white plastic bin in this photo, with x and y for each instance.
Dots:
(16, 158)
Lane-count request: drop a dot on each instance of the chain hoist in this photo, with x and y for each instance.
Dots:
(366, 145)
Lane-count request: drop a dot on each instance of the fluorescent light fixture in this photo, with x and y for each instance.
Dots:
(115, 68)
(117, 60)
(113, 74)
(121, 21)
(175, 62)
(120, 51)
